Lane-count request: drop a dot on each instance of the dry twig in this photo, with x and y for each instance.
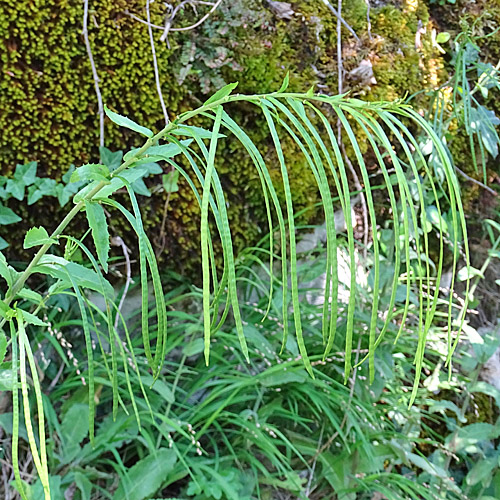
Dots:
(155, 65)
(100, 106)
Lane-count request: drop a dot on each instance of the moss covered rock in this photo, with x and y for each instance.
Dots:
(48, 106)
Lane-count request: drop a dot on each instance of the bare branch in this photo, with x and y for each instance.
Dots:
(167, 28)
(475, 181)
(117, 241)
(100, 106)
(338, 15)
(155, 65)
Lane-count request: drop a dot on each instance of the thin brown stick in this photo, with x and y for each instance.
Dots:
(100, 106)
(475, 181)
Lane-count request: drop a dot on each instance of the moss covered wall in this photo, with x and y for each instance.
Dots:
(48, 108)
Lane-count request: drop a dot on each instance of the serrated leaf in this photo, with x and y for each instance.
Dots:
(158, 153)
(123, 121)
(90, 172)
(193, 131)
(221, 93)
(30, 295)
(31, 319)
(100, 233)
(38, 236)
(146, 476)
(170, 182)
(7, 216)
(130, 176)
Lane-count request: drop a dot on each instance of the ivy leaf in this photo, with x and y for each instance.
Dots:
(26, 173)
(223, 92)
(15, 188)
(37, 236)
(170, 182)
(7, 216)
(139, 187)
(42, 187)
(110, 159)
(90, 172)
(123, 121)
(65, 192)
(99, 226)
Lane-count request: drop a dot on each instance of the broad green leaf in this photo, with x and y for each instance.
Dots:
(90, 172)
(38, 236)
(170, 181)
(75, 425)
(15, 187)
(110, 159)
(26, 173)
(471, 435)
(6, 379)
(160, 387)
(7, 216)
(84, 277)
(484, 121)
(220, 94)
(123, 121)
(481, 472)
(41, 188)
(83, 484)
(468, 273)
(3, 244)
(99, 226)
(193, 348)
(146, 477)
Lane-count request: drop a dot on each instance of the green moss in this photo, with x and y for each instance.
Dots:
(48, 108)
